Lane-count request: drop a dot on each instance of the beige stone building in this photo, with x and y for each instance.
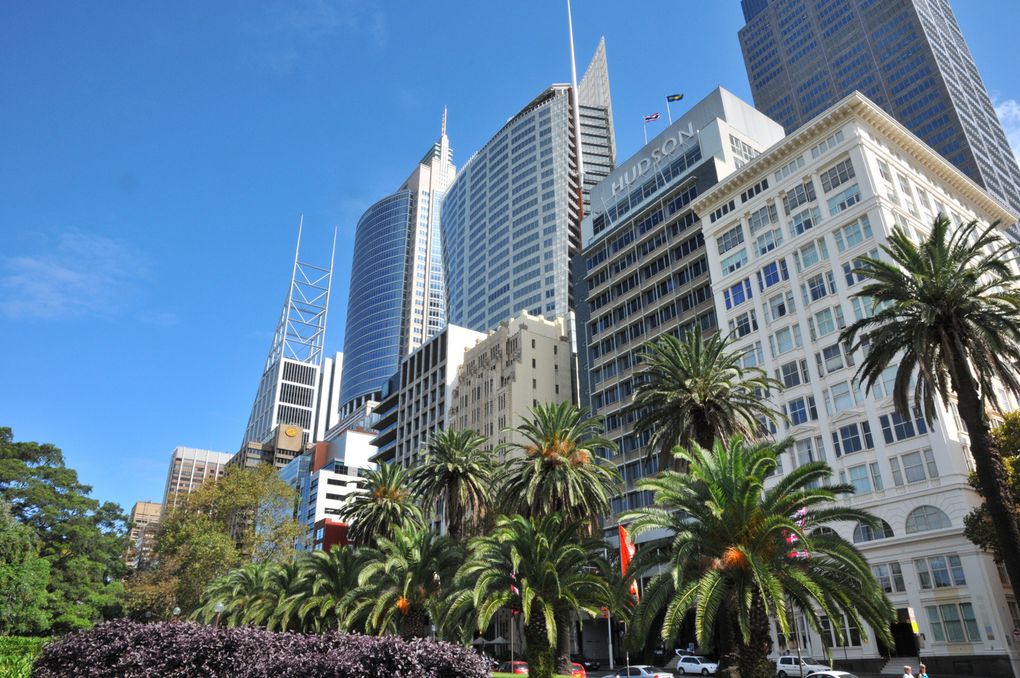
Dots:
(525, 361)
(144, 528)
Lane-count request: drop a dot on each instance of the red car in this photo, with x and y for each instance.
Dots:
(520, 668)
(576, 670)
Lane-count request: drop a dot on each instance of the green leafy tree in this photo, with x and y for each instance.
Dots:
(82, 539)
(948, 317)
(559, 469)
(246, 516)
(456, 473)
(977, 526)
(729, 555)
(539, 568)
(696, 390)
(383, 504)
(24, 578)
(401, 582)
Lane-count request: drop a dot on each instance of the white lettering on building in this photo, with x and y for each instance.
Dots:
(659, 153)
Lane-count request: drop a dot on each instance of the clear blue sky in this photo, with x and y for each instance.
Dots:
(155, 158)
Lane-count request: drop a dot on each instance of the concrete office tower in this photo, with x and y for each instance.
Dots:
(144, 522)
(397, 295)
(643, 271)
(417, 398)
(525, 361)
(288, 391)
(908, 56)
(189, 468)
(511, 221)
(830, 193)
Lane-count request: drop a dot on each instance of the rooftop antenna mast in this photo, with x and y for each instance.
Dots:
(577, 100)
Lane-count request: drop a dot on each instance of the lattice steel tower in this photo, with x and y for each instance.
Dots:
(288, 391)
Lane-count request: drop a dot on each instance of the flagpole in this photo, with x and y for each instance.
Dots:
(644, 128)
(669, 114)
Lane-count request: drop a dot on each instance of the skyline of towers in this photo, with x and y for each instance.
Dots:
(512, 217)
(397, 297)
(908, 56)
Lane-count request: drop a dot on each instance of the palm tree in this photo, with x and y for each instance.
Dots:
(730, 555)
(540, 569)
(456, 472)
(560, 470)
(948, 311)
(383, 504)
(697, 390)
(240, 592)
(321, 600)
(400, 583)
(281, 582)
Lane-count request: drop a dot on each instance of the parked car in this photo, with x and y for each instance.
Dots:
(519, 668)
(831, 674)
(588, 664)
(690, 663)
(790, 666)
(577, 671)
(642, 671)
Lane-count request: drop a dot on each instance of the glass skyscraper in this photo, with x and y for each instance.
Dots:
(908, 56)
(511, 220)
(397, 296)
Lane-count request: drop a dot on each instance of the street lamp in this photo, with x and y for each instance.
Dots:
(219, 609)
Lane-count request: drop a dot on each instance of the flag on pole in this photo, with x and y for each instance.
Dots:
(674, 97)
(651, 118)
(627, 551)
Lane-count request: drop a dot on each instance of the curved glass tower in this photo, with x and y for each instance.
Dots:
(376, 302)
(397, 293)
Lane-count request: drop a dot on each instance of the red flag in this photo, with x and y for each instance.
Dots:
(627, 551)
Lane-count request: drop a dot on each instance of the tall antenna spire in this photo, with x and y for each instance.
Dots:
(443, 130)
(577, 104)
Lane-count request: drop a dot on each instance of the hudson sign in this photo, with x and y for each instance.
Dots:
(658, 154)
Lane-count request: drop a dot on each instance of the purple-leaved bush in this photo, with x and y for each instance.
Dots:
(177, 650)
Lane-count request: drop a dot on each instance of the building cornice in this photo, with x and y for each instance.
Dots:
(854, 106)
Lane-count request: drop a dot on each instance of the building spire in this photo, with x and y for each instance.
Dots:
(442, 131)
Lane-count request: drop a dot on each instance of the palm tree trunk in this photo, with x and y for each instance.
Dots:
(991, 473)
(538, 651)
(563, 623)
(753, 657)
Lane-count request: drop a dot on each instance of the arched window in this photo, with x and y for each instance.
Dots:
(863, 533)
(925, 518)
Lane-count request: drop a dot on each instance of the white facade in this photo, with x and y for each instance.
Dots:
(525, 361)
(189, 468)
(782, 234)
(330, 486)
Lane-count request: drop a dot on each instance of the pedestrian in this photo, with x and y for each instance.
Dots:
(908, 672)
(922, 671)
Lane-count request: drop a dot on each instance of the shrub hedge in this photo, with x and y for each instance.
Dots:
(177, 650)
(17, 655)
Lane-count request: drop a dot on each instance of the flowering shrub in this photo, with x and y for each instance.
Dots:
(177, 650)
